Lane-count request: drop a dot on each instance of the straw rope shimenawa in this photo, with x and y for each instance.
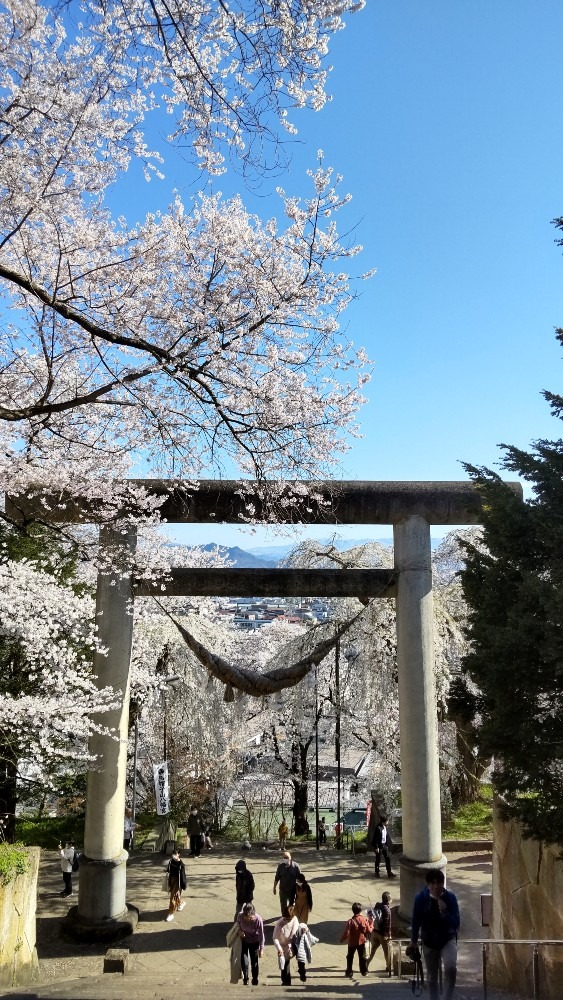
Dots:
(260, 684)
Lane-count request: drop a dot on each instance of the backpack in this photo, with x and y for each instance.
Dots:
(76, 862)
(378, 917)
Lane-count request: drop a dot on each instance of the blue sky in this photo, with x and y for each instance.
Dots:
(447, 123)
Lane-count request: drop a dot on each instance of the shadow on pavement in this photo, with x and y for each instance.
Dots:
(50, 941)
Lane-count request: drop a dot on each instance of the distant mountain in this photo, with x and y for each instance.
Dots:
(279, 552)
(241, 558)
(270, 556)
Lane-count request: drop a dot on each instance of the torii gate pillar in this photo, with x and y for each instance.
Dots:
(420, 776)
(102, 913)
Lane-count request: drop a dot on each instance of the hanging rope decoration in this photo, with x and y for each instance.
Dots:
(250, 682)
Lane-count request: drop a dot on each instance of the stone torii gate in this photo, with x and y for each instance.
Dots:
(102, 911)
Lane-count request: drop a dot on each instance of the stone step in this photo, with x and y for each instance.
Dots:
(170, 986)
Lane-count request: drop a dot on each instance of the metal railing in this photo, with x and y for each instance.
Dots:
(347, 839)
(533, 943)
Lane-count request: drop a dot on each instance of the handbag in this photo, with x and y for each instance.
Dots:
(165, 886)
(417, 983)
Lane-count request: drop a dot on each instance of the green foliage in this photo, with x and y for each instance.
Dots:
(13, 862)
(236, 827)
(474, 820)
(147, 823)
(512, 680)
(39, 544)
(49, 831)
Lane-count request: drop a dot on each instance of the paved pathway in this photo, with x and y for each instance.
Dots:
(188, 957)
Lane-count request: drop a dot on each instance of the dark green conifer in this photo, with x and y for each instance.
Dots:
(511, 685)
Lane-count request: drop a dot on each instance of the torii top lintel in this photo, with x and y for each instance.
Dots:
(211, 501)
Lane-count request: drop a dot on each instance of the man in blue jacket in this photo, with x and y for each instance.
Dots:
(436, 917)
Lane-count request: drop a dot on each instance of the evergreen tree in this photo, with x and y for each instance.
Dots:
(512, 678)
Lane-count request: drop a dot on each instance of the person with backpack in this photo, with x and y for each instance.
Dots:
(436, 917)
(356, 932)
(67, 856)
(381, 933)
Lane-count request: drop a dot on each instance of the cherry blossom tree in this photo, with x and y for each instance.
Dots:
(196, 336)
(48, 695)
(47, 639)
(180, 342)
(368, 697)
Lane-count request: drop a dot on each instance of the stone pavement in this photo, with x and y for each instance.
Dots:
(188, 956)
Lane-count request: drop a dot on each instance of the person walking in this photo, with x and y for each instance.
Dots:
(251, 930)
(381, 842)
(356, 932)
(303, 900)
(284, 931)
(193, 827)
(128, 829)
(66, 854)
(381, 933)
(322, 831)
(177, 882)
(287, 874)
(301, 946)
(436, 916)
(244, 885)
(283, 833)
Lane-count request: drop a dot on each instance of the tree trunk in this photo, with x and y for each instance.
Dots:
(8, 796)
(300, 808)
(468, 786)
(300, 789)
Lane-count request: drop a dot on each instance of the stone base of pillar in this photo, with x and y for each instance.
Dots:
(413, 879)
(88, 931)
(102, 913)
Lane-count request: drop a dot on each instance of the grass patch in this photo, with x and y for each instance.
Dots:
(49, 831)
(473, 821)
(13, 862)
(146, 823)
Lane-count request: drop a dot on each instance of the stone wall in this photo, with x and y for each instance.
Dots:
(527, 903)
(18, 957)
